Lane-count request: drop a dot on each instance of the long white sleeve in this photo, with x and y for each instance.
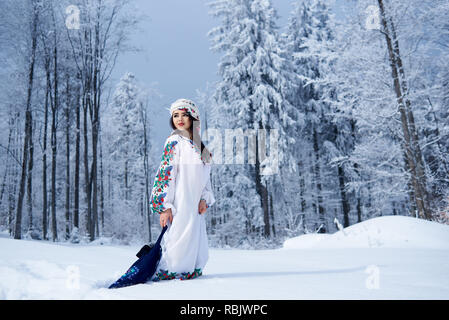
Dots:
(208, 194)
(163, 193)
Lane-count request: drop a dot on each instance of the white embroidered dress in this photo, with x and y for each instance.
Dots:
(182, 180)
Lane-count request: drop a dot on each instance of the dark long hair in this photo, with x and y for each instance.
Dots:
(205, 153)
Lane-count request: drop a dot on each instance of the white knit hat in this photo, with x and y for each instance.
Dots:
(191, 108)
(186, 104)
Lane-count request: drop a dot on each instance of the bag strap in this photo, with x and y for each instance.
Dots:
(158, 242)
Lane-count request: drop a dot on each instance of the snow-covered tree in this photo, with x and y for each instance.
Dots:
(125, 146)
(251, 93)
(309, 42)
(385, 78)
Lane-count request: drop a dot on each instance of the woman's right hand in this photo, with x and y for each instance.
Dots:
(165, 216)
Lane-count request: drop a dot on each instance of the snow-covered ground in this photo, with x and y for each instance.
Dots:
(391, 257)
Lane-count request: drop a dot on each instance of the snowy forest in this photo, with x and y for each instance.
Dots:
(352, 114)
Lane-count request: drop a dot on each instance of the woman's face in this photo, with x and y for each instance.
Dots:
(181, 119)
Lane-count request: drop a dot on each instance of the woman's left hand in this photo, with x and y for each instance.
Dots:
(202, 207)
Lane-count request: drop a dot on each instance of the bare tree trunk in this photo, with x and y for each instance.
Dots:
(410, 142)
(8, 150)
(110, 192)
(94, 176)
(76, 205)
(87, 101)
(261, 189)
(30, 182)
(411, 192)
(317, 174)
(96, 123)
(421, 176)
(343, 195)
(67, 168)
(28, 124)
(356, 169)
(273, 224)
(53, 142)
(44, 155)
(5, 175)
(359, 209)
(55, 106)
(7, 185)
(12, 186)
(87, 185)
(126, 180)
(141, 206)
(358, 197)
(101, 186)
(146, 171)
(302, 187)
(344, 198)
(302, 190)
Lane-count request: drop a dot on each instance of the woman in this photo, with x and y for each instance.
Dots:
(181, 195)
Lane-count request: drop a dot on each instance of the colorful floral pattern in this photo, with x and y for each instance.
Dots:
(166, 275)
(191, 275)
(163, 178)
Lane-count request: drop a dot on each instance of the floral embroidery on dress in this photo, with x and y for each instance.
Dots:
(191, 275)
(163, 178)
(166, 275)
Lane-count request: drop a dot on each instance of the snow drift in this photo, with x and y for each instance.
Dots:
(382, 232)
